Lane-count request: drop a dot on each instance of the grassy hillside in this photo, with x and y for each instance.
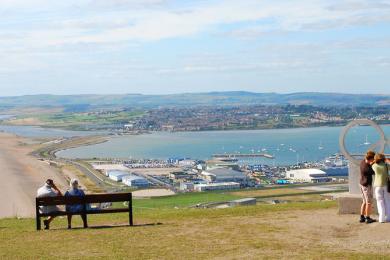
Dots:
(165, 228)
(80, 103)
(254, 232)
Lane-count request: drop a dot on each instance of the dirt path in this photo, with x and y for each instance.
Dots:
(20, 177)
(341, 232)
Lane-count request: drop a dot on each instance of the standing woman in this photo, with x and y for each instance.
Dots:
(382, 196)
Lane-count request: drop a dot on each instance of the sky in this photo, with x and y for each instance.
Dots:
(168, 46)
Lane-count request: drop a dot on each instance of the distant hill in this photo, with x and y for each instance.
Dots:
(86, 102)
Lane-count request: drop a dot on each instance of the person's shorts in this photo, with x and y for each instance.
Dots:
(367, 194)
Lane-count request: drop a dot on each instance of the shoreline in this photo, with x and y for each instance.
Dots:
(71, 143)
(114, 134)
(76, 142)
(21, 174)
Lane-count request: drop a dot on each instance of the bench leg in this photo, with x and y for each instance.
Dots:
(84, 215)
(131, 211)
(38, 218)
(85, 220)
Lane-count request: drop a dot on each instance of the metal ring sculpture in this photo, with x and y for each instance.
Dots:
(381, 143)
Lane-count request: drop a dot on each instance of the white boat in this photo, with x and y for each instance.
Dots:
(366, 142)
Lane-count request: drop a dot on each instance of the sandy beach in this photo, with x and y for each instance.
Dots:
(20, 177)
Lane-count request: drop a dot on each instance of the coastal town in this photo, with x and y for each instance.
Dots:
(130, 120)
(249, 117)
(187, 175)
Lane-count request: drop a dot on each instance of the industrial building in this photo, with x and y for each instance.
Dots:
(116, 175)
(225, 175)
(217, 186)
(307, 175)
(135, 181)
(186, 186)
(187, 162)
(182, 175)
(218, 163)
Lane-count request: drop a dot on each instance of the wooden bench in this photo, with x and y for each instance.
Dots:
(89, 198)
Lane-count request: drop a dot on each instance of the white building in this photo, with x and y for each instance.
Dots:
(135, 181)
(217, 186)
(117, 175)
(186, 186)
(225, 175)
(187, 162)
(307, 175)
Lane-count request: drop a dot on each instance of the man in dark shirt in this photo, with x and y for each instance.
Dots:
(366, 173)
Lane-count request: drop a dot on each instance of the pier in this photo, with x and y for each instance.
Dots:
(242, 155)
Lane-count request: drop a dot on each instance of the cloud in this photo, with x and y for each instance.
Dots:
(84, 34)
(104, 21)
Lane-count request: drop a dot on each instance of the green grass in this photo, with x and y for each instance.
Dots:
(109, 117)
(169, 240)
(166, 228)
(166, 233)
(193, 198)
(79, 120)
(184, 200)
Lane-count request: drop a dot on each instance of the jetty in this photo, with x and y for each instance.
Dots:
(242, 155)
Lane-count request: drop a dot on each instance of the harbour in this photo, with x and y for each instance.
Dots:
(282, 146)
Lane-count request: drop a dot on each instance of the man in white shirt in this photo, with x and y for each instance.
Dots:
(49, 189)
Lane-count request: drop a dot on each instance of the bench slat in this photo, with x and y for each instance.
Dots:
(113, 197)
(89, 198)
(59, 200)
(88, 212)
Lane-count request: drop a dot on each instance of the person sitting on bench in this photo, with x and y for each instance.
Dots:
(77, 208)
(49, 189)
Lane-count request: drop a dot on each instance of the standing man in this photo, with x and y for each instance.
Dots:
(49, 189)
(366, 174)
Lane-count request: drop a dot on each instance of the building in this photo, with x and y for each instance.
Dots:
(182, 175)
(135, 181)
(307, 175)
(225, 175)
(117, 175)
(187, 162)
(186, 186)
(217, 186)
(224, 163)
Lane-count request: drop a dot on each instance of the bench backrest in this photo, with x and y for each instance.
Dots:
(89, 198)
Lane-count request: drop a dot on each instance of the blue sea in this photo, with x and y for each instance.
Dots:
(288, 146)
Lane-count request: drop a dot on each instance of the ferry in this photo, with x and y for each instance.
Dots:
(335, 165)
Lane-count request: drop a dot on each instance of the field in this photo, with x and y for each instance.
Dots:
(76, 121)
(166, 228)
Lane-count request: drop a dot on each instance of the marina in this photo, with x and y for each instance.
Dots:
(243, 155)
(250, 147)
(282, 146)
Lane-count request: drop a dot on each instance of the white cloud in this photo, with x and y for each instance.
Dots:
(130, 20)
(32, 31)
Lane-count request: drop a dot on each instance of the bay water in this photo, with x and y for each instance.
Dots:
(288, 146)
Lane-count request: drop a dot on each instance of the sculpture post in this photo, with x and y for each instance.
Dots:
(354, 163)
